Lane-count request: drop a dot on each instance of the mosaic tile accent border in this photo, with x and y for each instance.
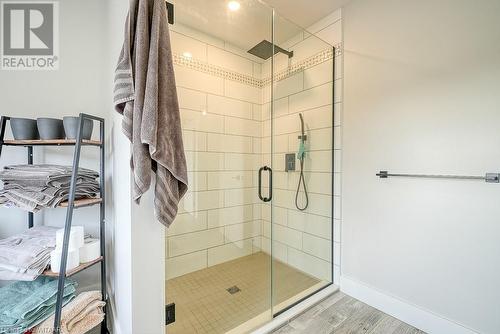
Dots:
(224, 73)
(215, 70)
(305, 64)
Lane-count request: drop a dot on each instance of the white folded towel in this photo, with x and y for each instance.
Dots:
(25, 256)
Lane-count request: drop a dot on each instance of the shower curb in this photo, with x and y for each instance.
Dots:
(297, 310)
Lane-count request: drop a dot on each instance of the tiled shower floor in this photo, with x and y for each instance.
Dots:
(204, 306)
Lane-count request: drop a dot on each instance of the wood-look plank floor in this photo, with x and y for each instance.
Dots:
(341, 314)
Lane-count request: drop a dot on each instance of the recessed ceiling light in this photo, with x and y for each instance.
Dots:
(187, 55)
(233, 5)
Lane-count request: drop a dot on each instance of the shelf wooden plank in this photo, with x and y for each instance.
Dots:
(49, 142)
(72, 272)
(79, 203)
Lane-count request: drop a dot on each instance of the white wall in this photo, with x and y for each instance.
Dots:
(91, 35)
(78, 86)
(120, 307)
(137, 243)
(421, 96)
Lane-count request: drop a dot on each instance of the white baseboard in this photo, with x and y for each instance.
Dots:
(413, 315)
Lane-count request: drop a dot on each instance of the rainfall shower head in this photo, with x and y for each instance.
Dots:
(264, 50)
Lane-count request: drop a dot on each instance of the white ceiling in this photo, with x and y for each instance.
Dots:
(305, 12)
(252, 22)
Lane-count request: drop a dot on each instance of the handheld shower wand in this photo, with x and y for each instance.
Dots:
(301, 157)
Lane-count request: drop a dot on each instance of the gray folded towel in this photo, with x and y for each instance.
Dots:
(33, 187)
(146, 95)
(43, 172)
(45, 175)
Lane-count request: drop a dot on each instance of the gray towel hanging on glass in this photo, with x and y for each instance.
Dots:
(146, 96)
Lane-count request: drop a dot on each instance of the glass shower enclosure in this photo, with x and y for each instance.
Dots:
(254, 234)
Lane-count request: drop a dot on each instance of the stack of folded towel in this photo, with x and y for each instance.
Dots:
(25, 256)
(23, 305)
(33, 187)
(82, 314)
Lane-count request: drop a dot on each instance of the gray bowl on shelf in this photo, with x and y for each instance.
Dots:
(24, 128)
(50, 128)
(71, 127)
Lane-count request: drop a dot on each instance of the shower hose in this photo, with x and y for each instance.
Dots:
(301, 156)
(303, 182)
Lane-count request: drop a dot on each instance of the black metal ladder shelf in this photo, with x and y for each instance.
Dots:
(70, 205)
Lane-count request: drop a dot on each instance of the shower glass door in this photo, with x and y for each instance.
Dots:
(245, 245)
(299, 232)
(218, 275)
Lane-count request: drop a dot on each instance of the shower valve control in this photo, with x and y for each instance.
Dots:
(289, 162)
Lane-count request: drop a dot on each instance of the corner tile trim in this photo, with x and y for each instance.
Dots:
(221, 72)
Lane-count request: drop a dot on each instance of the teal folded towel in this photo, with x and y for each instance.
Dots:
(24, 305)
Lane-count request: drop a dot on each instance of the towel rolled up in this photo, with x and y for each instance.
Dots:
(79, 316)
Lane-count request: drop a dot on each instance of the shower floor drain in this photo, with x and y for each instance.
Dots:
(234, 289)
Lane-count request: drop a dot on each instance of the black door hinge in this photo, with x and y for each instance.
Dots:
(170, 12)
(170, 313)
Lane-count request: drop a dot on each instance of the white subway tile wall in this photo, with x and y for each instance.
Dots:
(225, 101)
(221, 120)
